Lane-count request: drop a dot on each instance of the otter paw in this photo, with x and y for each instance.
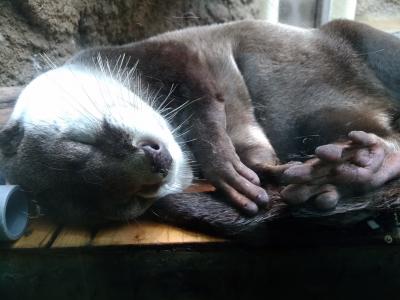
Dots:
(362, 163)
(239, 183)
(324, 197)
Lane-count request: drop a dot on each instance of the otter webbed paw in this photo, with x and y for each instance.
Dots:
(363, 163)
(242, 185)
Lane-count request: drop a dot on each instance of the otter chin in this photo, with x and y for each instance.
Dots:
(87, 146)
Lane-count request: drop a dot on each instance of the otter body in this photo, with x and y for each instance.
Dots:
(256, 95)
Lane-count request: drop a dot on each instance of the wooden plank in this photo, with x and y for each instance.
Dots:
(136, 233)
(39, 234)
(148, 233)
(42, 233)
(72, 237)
(200, 187)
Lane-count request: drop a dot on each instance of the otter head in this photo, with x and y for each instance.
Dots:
(88, 146)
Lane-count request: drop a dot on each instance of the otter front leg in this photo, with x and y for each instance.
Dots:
(252, 146)
(256, 151)
(218, 160)
(366, 162)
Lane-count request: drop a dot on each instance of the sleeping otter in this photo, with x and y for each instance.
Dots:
(93, 140)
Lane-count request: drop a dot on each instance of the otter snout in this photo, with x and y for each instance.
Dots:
(159, 156)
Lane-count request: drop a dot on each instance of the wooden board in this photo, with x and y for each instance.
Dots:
(137, 233)
(44, 234)
(39, 234)
(72, 237)
(149, 233)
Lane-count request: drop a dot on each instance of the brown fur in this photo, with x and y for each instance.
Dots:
(252, 85)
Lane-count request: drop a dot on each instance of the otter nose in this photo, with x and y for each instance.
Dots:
(158, 155)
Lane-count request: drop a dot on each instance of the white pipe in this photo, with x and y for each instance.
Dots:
(13, 212)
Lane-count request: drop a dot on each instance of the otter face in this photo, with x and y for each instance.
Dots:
(87, 146)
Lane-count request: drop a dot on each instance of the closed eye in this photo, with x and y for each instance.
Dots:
(81, 137)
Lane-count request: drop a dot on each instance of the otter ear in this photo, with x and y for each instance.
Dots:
(10, 137)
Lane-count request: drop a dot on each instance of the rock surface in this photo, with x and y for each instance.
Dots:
(30, 29)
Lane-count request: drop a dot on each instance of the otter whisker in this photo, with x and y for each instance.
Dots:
(165, 102)
(48, 61)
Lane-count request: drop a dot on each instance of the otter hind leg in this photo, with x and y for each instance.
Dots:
(364, 163)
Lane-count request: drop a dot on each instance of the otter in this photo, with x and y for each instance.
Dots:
(92, 141)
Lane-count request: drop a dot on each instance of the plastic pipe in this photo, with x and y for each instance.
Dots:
(13, 212)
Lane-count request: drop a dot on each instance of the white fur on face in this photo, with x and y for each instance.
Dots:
(73, 101)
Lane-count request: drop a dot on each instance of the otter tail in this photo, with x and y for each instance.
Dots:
(210, 212)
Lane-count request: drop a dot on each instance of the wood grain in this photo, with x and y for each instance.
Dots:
(72, 237)
(39, 234)
(149, 233)
(200, 187)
